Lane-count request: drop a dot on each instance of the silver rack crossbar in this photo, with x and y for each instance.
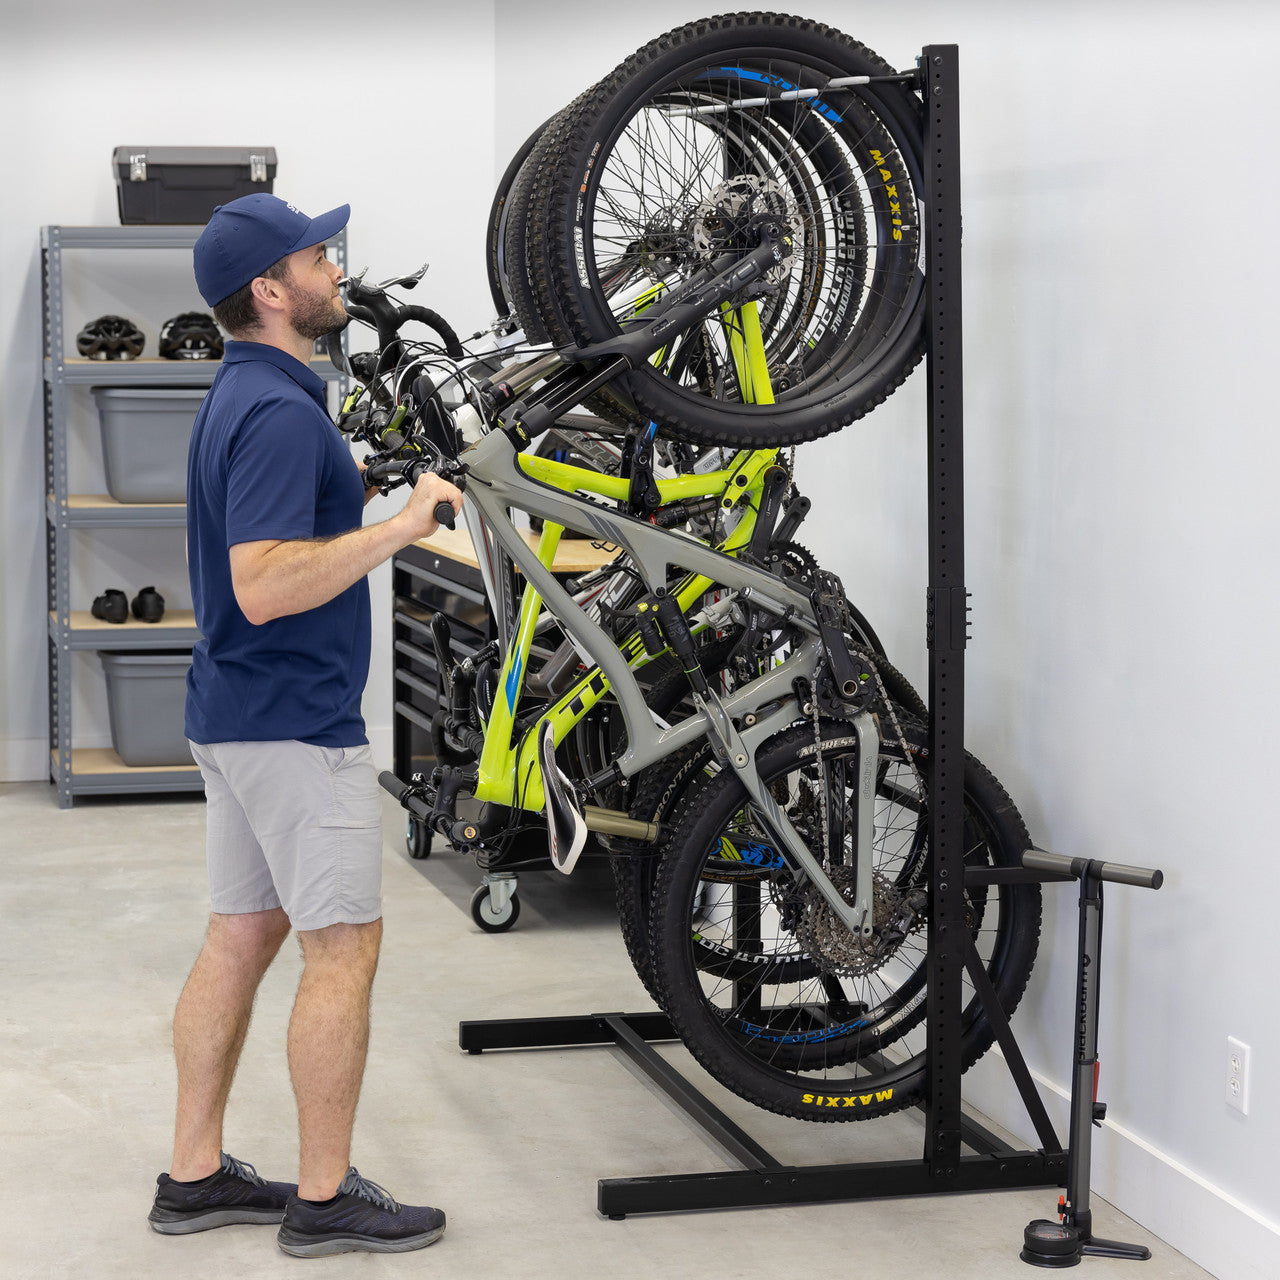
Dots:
(788, 95)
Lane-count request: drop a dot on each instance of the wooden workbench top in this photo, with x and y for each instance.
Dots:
(573, 555)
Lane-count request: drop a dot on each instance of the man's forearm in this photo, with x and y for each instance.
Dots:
(275, 579)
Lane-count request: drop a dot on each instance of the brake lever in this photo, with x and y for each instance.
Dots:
(406, 282)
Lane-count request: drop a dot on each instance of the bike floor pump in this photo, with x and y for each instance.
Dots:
(1063, 1244)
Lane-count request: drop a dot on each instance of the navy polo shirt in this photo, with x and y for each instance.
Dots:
(266, 462)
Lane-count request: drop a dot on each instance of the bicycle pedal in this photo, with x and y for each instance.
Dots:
(566, 827)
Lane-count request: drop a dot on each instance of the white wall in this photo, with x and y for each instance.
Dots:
(1120, 257)
(1121, 268)
(393, 114)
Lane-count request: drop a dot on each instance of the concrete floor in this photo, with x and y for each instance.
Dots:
(102, 909)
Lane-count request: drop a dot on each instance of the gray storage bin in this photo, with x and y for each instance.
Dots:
(145, 434)
(146, 701)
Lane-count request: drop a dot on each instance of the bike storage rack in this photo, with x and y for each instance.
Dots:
(943, 1168)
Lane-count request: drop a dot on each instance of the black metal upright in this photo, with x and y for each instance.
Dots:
(947, 603)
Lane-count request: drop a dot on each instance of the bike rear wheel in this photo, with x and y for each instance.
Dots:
(682, 154)
(799, 1016)
(661, 792)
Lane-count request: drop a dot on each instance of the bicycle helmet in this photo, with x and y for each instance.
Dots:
(110, 338)
(191, 336)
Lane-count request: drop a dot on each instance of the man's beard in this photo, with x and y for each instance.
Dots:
(314, 317)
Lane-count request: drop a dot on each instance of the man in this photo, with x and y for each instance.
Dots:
(278, 560)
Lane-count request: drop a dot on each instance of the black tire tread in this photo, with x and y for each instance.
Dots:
(553, 269)
(979, 1037)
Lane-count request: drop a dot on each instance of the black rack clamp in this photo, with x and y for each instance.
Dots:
(1063, 1244)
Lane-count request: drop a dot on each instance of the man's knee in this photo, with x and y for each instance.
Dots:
(253, 937)
(349, 945)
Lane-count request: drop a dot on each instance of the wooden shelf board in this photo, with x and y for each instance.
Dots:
(173, 620)
(87, 761)
(573, 555)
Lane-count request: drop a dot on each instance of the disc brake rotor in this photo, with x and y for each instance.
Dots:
(726, 220)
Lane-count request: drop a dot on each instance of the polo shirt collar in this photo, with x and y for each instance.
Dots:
(311, 382)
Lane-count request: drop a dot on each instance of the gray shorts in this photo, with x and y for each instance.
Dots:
(295, 826)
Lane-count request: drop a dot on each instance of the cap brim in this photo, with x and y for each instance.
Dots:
(320, 229)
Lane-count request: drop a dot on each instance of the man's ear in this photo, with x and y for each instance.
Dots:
(268, 292)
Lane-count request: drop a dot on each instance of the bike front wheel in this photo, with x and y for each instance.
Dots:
(684, 154)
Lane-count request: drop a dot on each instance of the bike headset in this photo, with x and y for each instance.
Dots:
(110, 338)
(193, 335)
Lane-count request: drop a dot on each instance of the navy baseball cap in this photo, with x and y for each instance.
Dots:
(248, 235)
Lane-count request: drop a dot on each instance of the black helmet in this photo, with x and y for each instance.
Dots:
(191, 336)
(110, 338)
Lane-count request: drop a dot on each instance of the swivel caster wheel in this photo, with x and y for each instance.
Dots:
(417, 838)
(495, 907)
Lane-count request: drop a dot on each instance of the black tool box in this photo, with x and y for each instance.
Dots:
(185, 184)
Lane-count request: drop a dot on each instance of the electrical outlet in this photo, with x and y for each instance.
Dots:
(1238, 1075)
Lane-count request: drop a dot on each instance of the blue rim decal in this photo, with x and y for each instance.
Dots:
(797, 1037)
(761, 77)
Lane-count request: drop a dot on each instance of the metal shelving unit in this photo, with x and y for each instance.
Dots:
(97, 771)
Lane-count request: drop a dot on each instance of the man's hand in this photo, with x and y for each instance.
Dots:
(419, 511)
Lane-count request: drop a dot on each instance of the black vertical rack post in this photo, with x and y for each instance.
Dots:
(943, 1167)
(947, 611)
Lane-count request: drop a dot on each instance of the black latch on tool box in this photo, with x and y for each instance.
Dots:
(184, 185)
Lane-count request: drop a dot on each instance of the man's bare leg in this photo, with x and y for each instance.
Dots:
(328, 1044)
(209, 1029)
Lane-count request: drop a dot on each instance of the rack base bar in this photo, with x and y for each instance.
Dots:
(551, 1033)
(869, 1180)
(764, 1180)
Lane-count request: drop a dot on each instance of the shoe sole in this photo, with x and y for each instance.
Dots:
(170, 1222)
(298, 1245)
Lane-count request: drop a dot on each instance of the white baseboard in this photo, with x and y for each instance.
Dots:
(1216, 1231)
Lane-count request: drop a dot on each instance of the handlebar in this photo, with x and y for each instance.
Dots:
(404, 794)
(373, 306)
(413, 469)
(1115, 872)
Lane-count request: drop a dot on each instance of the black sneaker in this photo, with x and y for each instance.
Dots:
(361, 1216)
(234, 1194)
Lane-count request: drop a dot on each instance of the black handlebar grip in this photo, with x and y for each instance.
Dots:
(444, 514)
(404, 794)
(434, 320)
(389, 782)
